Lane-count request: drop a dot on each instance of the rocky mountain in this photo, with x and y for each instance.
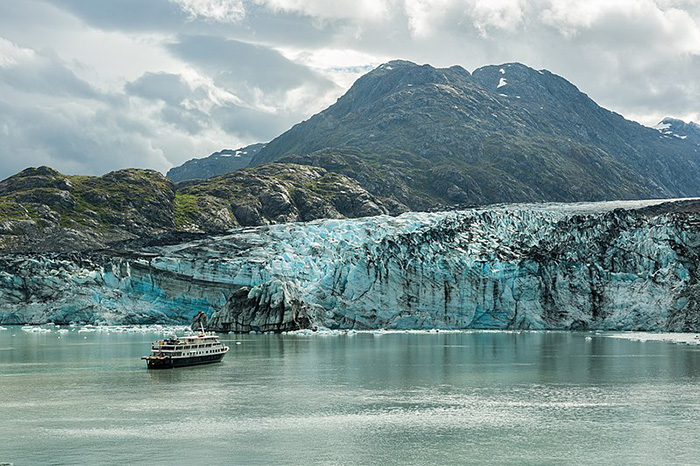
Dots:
(623, 266)
(420, 137)
(273, 193)
(44, 210)
(679, 129)
(218, 163)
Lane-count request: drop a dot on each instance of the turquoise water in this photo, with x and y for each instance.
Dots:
(459, 398)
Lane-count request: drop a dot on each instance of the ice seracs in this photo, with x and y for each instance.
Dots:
(613, 265)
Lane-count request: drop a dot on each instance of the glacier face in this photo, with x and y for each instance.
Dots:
(630, 265)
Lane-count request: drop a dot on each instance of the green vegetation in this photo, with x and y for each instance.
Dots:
(186, 209)
(10, 210)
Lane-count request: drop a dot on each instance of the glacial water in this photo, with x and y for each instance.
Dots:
(447, 398)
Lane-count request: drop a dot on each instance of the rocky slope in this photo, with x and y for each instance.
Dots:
(273, 193)
(596, 266)
(44, 210)
(502, 134)
(218, 163)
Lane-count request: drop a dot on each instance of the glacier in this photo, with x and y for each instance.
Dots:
(600, 266)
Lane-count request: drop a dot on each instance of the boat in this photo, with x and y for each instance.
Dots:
(190, 350)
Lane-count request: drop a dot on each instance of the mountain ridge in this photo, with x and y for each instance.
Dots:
(504, 133)
(218, 163)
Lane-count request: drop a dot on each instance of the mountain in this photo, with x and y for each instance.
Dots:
(273, 193)
(218, 163)
(607, 266)
(679, 129)
(421, 137)
(42, 209)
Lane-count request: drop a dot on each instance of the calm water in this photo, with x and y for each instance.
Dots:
(466, 398)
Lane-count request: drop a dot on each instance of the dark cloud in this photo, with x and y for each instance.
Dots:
(125, 15)
(44, 73)
(238, 64)
(168, 87)
(253, 124)
(73, 141)
(258, 24)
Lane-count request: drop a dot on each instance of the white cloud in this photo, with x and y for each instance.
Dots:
(496, 15)
(11, 55)
(365, 10)
(225, 11)
(341, 65)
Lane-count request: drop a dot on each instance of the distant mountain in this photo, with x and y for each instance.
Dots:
(421, 137)
(679, 129)
(218, 163)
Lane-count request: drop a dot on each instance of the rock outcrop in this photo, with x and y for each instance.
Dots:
(44, 210)
(273, 193)
(623, 266)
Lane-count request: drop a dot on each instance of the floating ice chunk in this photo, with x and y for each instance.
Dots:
(30, 329)
(678, 338)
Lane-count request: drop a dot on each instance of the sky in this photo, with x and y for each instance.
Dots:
(92, 86)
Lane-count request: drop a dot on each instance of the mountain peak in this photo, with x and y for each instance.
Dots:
(671, 127)
(422, 136)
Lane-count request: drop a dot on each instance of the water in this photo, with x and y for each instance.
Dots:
(459, 398)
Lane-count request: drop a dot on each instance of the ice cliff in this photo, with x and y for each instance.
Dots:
(630, 265)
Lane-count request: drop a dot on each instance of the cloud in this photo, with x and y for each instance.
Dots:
(213, 10)
(170, 88)
(362, 10)
(29, 71)
(89, 86)
(259, 77)
(75, 139)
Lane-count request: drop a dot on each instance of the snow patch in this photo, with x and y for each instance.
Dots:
(502, 82)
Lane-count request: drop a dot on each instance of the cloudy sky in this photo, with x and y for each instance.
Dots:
(91, 86)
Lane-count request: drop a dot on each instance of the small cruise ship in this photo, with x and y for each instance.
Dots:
(185, 351)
